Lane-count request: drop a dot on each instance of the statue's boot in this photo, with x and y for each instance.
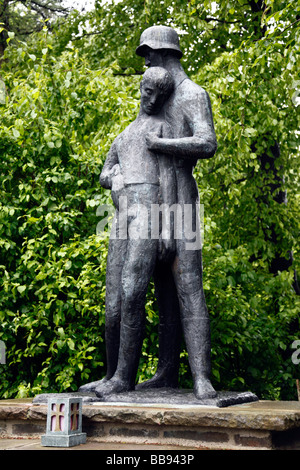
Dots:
(129, 355)
(168, 364)
(112, 341)
(197, 339)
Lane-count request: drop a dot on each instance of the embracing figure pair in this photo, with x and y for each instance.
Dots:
(151, 163)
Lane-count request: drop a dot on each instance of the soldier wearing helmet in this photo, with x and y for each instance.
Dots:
(159, 38)
(188, 112)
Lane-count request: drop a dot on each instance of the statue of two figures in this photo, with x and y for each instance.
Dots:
(156, 231)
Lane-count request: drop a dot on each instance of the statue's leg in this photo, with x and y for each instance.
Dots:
(115, 260)
(136, 274)
(195, 319)
(169, 331)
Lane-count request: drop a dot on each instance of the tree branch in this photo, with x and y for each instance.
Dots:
(87, 34)
(137, 72)
(290, 26)
(208, 19)
(46, 6)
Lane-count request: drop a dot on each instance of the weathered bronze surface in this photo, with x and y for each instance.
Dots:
(151, 164)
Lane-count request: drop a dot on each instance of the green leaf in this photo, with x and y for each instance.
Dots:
(21, 289)
(71, 344)
(16, 133)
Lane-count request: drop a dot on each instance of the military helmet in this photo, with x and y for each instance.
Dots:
(159, 37)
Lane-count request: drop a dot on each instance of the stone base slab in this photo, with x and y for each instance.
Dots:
(162, 396)
(63, 441)
(263, 425)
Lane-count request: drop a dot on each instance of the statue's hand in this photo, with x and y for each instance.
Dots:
(117, 182)
(117, 188)
(115, 170)
(152, 138)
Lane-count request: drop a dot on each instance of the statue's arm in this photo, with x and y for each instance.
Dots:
(201, 144)
(194, 147)
(110, 168)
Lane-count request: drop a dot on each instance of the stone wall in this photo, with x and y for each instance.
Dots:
(259, 425)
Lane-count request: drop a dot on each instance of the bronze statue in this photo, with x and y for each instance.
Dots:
(149, 164)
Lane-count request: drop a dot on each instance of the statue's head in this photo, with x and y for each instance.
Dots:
(156, 86)
(157, 41)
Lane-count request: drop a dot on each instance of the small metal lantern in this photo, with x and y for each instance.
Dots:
(64, 423)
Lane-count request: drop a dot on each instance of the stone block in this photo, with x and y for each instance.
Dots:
(256, 425)
(63, 440)
(3, 428)
(25, 428)
(133, 432)
(93, 428)
(14, 411)
(194, 435)
(254, 441)
(289, 440)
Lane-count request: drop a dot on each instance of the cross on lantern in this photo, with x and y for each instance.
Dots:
(74, 416)
(58, 416)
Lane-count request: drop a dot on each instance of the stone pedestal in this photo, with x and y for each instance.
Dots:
(259, 425)
(168, 396)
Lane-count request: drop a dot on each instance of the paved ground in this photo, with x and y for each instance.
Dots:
(34, 444)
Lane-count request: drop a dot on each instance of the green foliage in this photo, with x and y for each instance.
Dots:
(69, 93)
(57, 126)
(21, 18)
